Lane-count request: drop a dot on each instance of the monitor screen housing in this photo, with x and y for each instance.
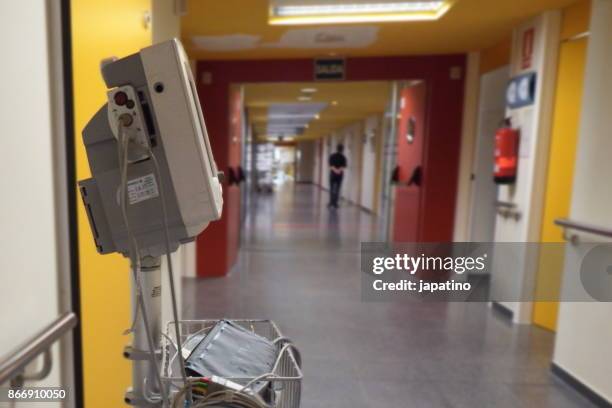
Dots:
(153, 94)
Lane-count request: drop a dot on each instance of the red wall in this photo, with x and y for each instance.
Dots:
(410, 155)
(441, 158)
(408, 199)
(217, 247)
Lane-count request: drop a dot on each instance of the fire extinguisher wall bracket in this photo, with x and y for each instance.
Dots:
(506, 153)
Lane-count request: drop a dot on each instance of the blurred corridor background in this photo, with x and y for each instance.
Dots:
(416, 99)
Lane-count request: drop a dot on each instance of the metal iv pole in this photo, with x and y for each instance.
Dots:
(144, 377)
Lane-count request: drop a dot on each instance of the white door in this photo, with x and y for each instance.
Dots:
(34, 253)
(491, 111)
(584, 332)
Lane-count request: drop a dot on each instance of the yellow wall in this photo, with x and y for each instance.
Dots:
(496, 56)
(576, 19)
(570, 75)
(102, 28)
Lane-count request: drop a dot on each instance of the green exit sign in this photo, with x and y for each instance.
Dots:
(329, 69)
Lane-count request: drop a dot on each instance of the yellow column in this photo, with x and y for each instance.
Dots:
(570, 75)
(100, 29)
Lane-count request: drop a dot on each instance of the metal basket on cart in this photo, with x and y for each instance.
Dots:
(286, 380)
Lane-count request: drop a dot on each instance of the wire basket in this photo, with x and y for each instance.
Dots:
(286, 380)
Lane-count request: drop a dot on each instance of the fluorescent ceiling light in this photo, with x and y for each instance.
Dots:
(304, 98)
(293, 116)
(276, 128)
(365, 8)
(309, 90)
(358, 12)
(275, 137)
(281, 126)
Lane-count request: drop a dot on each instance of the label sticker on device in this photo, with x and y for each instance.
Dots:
(142, 188)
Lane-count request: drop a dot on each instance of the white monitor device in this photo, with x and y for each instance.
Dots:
(153, 106)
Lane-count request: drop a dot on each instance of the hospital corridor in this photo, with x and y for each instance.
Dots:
(297, 266)
(306, 204)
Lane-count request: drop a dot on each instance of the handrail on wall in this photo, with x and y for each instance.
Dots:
(504, 204)
(583, 227)
(12, 364)
(507, 209)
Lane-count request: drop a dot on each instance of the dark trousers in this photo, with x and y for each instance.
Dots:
(335, 182)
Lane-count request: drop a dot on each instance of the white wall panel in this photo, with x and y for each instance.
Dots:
(372, 134)
(29, 272)
(584, 332)
(534, 122)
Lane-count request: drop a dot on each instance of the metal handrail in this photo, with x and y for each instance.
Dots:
(12, 364)
(507, 209)
(504, 204)
(583, 227)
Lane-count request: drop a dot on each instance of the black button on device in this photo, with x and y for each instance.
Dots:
(130, 104)
(120, 98)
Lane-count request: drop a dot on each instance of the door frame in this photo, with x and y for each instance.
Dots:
(59, 18)
(444, 112)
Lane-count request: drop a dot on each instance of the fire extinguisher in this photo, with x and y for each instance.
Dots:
(506, 153)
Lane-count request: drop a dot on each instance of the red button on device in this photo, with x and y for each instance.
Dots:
(120, 98)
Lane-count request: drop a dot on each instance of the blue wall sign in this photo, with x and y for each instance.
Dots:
(521, 91)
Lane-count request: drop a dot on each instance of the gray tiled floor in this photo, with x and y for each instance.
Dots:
(299, 266)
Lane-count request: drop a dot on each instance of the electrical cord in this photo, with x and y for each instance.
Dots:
(151, 399)
(120, 160)
(120, 149)
(240, 398)
(234, 398)
(135, 258)
(171, 360)
(170, 272)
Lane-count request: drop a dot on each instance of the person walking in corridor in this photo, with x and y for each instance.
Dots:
(337, 164)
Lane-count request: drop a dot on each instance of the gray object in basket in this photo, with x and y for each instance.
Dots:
(231, 351)
(286, 382)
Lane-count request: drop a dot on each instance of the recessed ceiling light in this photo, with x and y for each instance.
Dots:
(334, 103)
(317, 117)
(358, 12)
(309, 90)
(276, 138)
(304, 98)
